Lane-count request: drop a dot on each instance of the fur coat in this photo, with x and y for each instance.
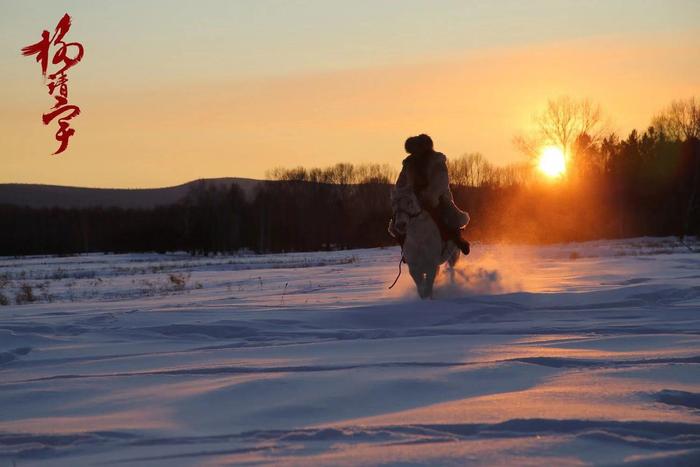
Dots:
(426, 176)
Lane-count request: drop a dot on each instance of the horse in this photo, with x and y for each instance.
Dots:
(424, 249)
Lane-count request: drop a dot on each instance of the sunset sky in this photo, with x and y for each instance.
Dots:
(171, 91)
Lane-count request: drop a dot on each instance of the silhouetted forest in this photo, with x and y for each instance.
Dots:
(644, 184)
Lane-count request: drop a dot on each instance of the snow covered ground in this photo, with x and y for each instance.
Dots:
(558, 355)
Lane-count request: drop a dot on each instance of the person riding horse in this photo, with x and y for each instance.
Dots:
(424, 172)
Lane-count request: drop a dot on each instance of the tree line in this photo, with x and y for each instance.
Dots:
(643, 184)
(287, 214)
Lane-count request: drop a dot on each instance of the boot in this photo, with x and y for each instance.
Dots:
(461, 243)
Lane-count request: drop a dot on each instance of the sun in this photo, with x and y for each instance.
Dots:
(552, 162)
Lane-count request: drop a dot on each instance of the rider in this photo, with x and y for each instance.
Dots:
(425, 173)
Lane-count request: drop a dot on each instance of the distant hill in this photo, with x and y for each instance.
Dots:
(35, 195)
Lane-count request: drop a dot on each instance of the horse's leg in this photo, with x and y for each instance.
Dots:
(418, 277)
(429, 281)
(454, 257)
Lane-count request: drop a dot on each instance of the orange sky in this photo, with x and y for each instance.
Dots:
(174, 126)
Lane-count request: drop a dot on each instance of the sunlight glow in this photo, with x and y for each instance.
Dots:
(552, 161)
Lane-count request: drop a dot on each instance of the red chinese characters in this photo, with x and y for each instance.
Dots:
(66, 55)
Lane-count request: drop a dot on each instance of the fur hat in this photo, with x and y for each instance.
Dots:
(418, 144)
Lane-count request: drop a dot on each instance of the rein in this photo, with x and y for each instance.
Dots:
(399, 274)
(410, 216)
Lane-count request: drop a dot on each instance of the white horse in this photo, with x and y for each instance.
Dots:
(424, 249)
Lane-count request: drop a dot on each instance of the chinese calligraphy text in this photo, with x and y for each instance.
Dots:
(65, 56)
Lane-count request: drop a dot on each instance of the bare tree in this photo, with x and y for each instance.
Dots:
(680, 120)
(339, 174)
(562, 123)
(474, 170)
(467, 170)
(375, 173)
(281, 173)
